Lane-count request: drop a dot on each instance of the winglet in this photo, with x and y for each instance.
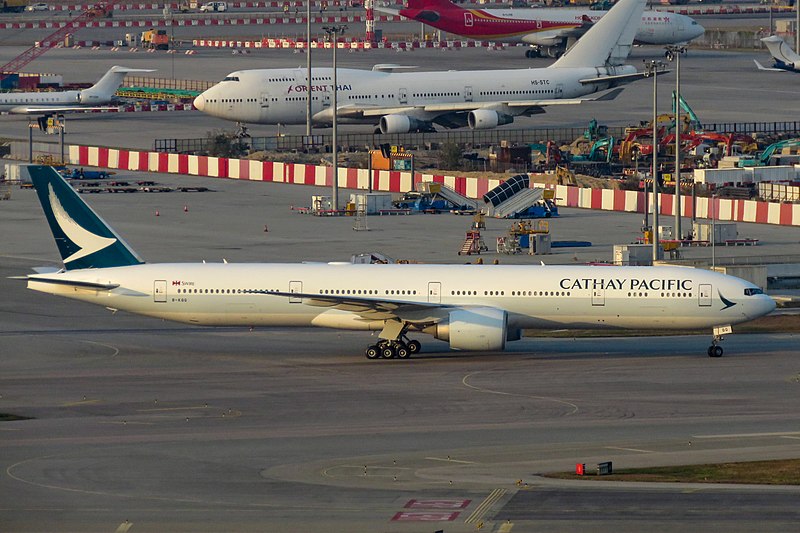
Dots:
(83, 238)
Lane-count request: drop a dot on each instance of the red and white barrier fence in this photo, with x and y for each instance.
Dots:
(784, 214)
(351, 44)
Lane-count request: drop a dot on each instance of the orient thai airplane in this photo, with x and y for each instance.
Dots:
(29, 103)
(400, 102)
(549, 31)
(784, 58)
(473, 307)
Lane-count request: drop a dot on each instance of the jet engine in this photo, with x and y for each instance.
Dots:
(485, 119)
(479, 328)
(401, 124)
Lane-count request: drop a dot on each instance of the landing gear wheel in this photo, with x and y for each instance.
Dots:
(402, 352)
(372, 352)
(387, 352)
(414, 346)
(715, 351)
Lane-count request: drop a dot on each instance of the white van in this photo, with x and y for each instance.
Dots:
(214, 6)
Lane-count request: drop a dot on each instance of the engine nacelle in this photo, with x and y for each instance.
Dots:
(480, 328)
(401, 124)
(485, 119)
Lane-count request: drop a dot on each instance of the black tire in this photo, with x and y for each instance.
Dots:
(710, 351)
(387, 352)
(402, 352)
(414, 346)
(717, 351)
(372, 352)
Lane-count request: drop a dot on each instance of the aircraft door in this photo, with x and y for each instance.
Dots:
(468, 20)
(559, 91)
(435, 292)
(295, 287)
(160, 291)
(468, 93)
(599, 297)
(326, 100)
(704, 295)
(402, 95)
(264, 106)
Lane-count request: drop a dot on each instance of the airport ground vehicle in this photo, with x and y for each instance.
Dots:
(39, 6)
(155, 39)
(214, 6)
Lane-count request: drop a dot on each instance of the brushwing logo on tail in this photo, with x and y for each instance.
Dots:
(87, 241)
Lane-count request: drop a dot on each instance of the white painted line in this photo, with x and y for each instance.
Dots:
(628, 449)
(448, 460)
(124, 527)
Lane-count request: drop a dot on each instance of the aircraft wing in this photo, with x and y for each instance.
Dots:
(41, 110)
(360, 111)
(373, 308)
(387, 10)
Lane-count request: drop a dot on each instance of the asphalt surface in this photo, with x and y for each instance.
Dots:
(144, 425)
(177, 428)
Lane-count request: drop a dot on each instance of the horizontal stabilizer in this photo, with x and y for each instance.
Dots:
(770, 69)
(75, 283)
(621, 78)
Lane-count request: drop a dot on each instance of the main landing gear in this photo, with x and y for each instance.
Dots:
(388, 349)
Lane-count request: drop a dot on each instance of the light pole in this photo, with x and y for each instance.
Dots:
(308, 70)
(333, 32)
(713, 231)
(674, 53)
(651, 69)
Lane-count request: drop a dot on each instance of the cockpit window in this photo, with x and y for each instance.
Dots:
(231, 78)
(751, 292)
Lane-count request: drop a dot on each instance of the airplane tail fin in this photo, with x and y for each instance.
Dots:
(609, 41)
(83, 238)
(102, 91)
(780, 50)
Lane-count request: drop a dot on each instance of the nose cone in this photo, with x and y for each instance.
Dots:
(199, 102)
(695, 29)
(767, 305)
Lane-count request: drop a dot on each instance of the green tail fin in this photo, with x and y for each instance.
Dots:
(83, 238)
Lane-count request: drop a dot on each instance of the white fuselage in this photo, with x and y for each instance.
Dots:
(12, 100)
(20, 102)
(657, 27)
(533, 296)
(278, 96)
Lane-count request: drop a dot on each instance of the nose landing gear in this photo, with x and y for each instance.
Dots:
(715, 350)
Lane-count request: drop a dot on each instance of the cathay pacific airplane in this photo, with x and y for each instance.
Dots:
(472, 307)
(93, 98)
(401, 102)
(547, 30)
